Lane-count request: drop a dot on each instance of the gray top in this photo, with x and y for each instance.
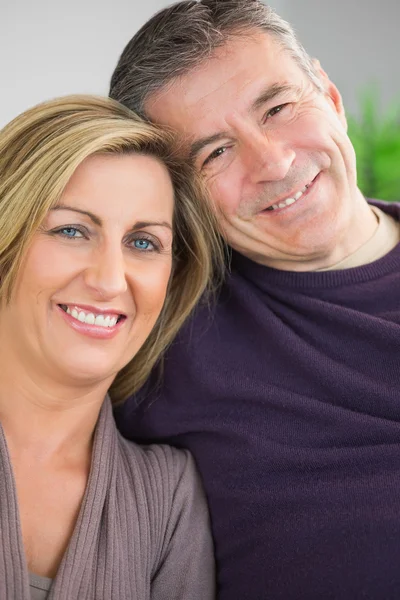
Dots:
(39, 586)
(142, 532)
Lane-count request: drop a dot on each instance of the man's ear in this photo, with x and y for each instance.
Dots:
(331, 91)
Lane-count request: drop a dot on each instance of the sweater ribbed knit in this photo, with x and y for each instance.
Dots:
(142, 531)
(288, 395)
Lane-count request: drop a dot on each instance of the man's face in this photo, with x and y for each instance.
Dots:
(272, 149)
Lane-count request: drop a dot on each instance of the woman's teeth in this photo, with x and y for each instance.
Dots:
(288, 201)
(90, 318)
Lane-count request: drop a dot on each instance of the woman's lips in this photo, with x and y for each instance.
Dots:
(91, 329)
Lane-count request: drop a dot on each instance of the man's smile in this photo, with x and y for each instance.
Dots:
(288, 201)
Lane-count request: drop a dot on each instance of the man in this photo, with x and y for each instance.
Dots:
(287, 393)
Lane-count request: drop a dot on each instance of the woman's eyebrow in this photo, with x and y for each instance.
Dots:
(142, 224)
(96, 220)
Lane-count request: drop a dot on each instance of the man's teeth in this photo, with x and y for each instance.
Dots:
(90, 318)
(289, 201)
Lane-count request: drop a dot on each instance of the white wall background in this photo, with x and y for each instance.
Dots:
(50, 48)
(356, 41)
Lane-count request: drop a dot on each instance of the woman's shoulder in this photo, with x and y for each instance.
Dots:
(169, 497)
(161, 466)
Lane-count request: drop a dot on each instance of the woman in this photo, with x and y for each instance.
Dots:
(106, 245)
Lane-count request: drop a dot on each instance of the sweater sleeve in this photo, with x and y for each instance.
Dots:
(186, 569)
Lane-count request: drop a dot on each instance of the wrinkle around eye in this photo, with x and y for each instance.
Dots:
(276, 110)
(285, 113)
(214, 154)
(218, 157)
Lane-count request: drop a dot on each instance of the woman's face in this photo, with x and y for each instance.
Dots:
(95, 277)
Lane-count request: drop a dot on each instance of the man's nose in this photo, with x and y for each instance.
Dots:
(106, 275)
(265, 158)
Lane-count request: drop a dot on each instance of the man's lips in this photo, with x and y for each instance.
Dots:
(291, 198)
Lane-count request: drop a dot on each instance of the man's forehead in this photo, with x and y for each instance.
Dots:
(196, 103)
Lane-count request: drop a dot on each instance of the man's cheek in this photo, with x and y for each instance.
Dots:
(224, 198)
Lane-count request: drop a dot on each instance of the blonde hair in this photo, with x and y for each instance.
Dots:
(39, 152)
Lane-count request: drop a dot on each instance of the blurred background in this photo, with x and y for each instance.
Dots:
(50, 48)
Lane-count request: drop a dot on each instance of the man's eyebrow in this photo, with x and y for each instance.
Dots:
(266, 95)
(272, 92)
(97, 221)
(201, 143)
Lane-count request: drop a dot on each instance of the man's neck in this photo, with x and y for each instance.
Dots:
(385, 238)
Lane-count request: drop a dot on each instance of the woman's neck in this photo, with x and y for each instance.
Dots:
(44, 419)
(49, 426)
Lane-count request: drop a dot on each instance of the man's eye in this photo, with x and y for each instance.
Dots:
(273, 111)
(215, 154)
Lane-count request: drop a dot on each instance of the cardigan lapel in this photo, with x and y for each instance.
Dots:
(14, 581)
(76, 576)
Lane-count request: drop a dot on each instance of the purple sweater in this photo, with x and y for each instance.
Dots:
(288, 395)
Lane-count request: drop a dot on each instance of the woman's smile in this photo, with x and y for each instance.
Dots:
(91, 321)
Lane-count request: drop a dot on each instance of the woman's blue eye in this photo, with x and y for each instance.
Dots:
(71, 232)
(143, 244)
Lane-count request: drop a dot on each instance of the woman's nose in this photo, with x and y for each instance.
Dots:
(106, 275)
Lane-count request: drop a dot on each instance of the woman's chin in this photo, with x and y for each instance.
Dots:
(83, 364)
(88, 371)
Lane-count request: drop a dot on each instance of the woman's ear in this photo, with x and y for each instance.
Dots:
(331, 92)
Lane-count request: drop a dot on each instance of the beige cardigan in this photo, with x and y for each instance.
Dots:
(142, 532)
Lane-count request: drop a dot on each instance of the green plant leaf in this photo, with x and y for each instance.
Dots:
(376, 139)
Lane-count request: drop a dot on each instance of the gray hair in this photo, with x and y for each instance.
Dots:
(180, 37)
